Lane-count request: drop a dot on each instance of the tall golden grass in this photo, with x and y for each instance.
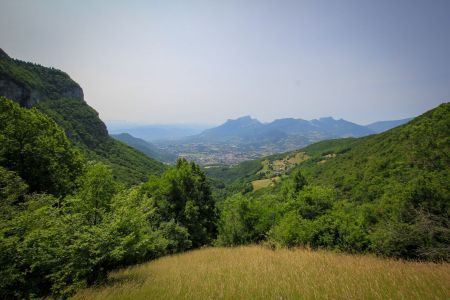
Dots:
(255, 272)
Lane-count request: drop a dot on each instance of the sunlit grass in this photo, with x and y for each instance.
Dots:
(263, 183)
(255, 272)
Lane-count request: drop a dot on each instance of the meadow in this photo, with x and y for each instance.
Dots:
(256, 272)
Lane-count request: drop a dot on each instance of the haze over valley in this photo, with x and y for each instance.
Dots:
(244, 138)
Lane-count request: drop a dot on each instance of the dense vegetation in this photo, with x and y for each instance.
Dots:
(388, 194)
(53, 92)
(34, 147)
(66, 222)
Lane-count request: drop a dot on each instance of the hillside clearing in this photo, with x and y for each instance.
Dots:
(255, 272)
(263, 183)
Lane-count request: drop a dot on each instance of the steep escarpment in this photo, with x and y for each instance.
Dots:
(29, 83)
(58, 96)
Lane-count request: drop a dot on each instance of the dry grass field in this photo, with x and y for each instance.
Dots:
(262, 183)
(255, 272)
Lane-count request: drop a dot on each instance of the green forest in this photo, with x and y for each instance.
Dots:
(66, 221)
(76, 204)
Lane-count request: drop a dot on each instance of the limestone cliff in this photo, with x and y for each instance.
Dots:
(28, 83)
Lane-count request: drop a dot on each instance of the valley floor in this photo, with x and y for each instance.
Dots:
(255, 272)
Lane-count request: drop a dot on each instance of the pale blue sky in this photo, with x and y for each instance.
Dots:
(208, 61)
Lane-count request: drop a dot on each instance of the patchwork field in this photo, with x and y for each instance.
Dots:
(280, 166)
(272, 170)
(262, 183)
(255, 272)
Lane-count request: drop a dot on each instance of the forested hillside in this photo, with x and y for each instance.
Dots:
(58, 96)
(66, 221)
(145, 147)
(386, 193)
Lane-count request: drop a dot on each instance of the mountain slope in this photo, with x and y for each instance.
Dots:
(236, 130)
(401, 155)
(157, 131)
(381, 126)
(361, 168)
(246, 129)
(145, 147)
(387, 194)
(57, 95)
(340, 128)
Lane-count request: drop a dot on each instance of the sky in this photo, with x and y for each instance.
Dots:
(209, 61)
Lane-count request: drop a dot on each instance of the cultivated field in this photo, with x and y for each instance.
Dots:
(255, 272)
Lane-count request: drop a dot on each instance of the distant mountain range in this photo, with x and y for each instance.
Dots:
(238, 139)
(145, 147)
(154, 132)
(381, 126)
(247, 129)
(247, 138)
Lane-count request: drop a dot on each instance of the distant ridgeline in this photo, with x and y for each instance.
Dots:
(58, 96)
(246, 138)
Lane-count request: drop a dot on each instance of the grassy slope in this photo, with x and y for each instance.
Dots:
(254, 272)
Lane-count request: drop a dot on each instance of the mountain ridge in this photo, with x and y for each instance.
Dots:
(247, 138)
(381, 126)
(328, 125)
(145, 147)
(55, 94)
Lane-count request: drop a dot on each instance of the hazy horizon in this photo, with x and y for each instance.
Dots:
(208, 125)
(204, 62)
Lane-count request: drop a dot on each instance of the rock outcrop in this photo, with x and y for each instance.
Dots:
(28, 83)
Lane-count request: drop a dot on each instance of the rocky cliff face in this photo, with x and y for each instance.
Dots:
(54, 93)
(18, 93)
(28, 83)
(29, 97)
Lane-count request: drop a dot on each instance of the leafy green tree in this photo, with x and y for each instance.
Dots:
(12, 192)
(236, 221)
(34, 147)
(298, 180)
(292, 231)
(183, 194)
(313, 201)
(97, 188)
